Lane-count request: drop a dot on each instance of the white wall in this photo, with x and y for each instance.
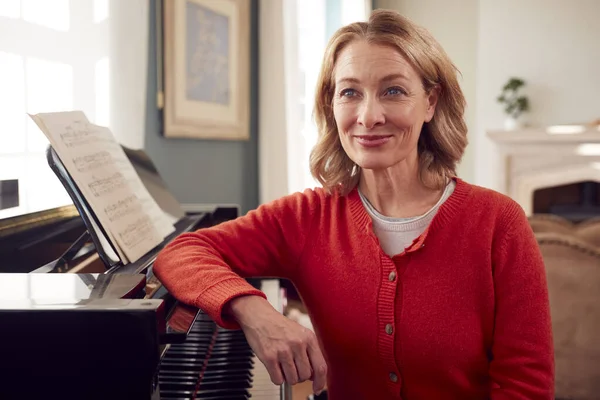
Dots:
(555, 46)
(454, 24)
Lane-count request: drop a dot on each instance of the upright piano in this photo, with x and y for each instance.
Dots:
(77, 323)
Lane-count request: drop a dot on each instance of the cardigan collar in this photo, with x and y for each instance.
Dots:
(448, 210)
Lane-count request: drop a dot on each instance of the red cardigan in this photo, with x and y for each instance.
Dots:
(462, 314)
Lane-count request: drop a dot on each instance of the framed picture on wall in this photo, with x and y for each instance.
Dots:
(206, 69)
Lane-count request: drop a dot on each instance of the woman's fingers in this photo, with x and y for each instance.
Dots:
(289, 351)
(274, 369)
(319, 366)
(297, 362)
(303, 363)
(286, 358)
(303, 366)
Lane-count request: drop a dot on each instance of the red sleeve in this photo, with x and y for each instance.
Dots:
(522, 364)
(207, 268)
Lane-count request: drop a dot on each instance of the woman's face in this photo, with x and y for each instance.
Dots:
(379, 105)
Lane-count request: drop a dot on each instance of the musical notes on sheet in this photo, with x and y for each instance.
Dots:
(80, 133)
(92, 161)
(107, 185)
(132, 220)
(122, 208)
(135, 232)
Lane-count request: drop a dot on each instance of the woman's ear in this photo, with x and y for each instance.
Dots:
(432, 99)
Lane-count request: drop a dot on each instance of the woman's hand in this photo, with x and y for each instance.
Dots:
(290, 352)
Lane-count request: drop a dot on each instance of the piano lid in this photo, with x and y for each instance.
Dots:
(154, 183)
(47, 287)
(87, 306)
(88, 292)
(39, 219)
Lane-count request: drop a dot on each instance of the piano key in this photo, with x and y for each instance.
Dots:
(226, 382)
(216, 364)
(262, 387)
(187, 380)
(232, 393)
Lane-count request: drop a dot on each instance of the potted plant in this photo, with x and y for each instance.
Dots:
(515, 104)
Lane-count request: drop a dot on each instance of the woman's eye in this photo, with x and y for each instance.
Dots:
(347, 93)
(394, 91)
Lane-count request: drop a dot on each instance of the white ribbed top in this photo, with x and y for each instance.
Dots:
(396, 234)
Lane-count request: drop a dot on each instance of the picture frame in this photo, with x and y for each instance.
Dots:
(206, 69)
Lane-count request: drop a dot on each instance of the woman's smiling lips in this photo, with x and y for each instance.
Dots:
(372, 140)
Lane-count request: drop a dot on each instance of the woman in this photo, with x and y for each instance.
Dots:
(419, 285)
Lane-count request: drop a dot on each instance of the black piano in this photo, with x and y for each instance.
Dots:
(76, 323)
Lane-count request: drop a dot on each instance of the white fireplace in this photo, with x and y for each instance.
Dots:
(532, 159)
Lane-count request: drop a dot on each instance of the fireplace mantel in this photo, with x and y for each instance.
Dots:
(532, 159)
(561, 135)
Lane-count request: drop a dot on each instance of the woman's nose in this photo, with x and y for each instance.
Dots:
(370, 114)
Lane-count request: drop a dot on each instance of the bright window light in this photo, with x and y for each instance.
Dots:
(12, 104)
(102, 92)
(47, 64)
(49, 89)
(588, 149)
(312, 39)
(40, 184)
(49, 13)
(565, 129)
(353, 11)
(10, 8)
(100, 10)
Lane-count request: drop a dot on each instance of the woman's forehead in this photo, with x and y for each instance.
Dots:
(363, 61)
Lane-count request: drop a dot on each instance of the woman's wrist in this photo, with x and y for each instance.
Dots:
(242, 309)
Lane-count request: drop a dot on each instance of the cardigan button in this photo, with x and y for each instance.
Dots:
(392, 276)
(393, 377)
(389, 329)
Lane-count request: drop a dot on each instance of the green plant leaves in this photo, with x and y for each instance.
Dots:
(515, 104)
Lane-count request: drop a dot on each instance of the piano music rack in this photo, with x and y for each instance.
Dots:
(94, 229)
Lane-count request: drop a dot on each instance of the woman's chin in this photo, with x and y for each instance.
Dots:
(383, 160)
(374, 164)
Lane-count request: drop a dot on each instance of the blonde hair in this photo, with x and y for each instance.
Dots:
(442, 140)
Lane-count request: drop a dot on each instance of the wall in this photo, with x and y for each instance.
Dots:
(454, 24)
(553, 45)
(206, 171)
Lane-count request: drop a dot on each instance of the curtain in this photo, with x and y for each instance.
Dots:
(128, 55)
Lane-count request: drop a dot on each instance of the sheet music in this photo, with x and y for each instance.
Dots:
(145, 200)
(100, 168)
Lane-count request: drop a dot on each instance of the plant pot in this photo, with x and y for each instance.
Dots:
(511, 123)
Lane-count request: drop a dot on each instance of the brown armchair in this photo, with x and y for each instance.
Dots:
(573, 272)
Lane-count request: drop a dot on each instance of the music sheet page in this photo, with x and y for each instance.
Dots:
(107, 179)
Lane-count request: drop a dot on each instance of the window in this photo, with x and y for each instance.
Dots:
(317, 20)
(53, 57)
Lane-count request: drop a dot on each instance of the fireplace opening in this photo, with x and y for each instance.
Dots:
(576, 201)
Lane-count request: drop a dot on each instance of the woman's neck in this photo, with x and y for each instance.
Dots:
(398, 192)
